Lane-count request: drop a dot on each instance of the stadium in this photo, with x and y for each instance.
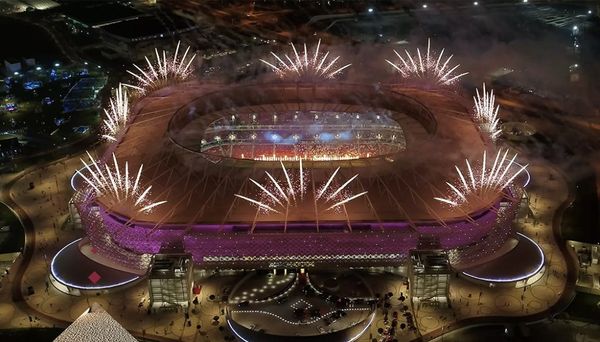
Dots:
(402, 163)
(297, 173)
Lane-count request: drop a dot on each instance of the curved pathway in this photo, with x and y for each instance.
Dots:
(564, 300)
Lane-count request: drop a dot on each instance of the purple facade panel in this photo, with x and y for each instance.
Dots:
(240, 246)
(230, 244)
(101, 238)
(140, 238)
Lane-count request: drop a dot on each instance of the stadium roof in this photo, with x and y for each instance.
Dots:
(199, 191)
(95, 325)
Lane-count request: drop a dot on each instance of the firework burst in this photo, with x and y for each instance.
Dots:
(486, 114)
(290, 190)
(166, 70)
(306, 65)
(484, 182)
(430, 69)
(117, 115)
(118, 184)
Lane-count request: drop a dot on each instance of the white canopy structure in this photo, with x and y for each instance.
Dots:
(95, 325)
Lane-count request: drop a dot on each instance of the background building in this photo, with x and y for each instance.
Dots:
(124, 31)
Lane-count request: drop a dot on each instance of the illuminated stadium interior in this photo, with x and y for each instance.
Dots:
(307, 135)
(272, 122)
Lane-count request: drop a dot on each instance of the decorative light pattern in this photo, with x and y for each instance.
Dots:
(117, 115)
(108, 235)
(486, 114)
(520, 277)
(305, 65)
(483, 182)
(428, 69)
(354, 338)
(167, 70)
(304, 322)
(290, 278)
(120, 185)
(291, 190)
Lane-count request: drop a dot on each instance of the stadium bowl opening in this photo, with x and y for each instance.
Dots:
(266, 123)
(309, 135)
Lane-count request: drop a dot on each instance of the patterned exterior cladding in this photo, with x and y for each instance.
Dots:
(231, 245)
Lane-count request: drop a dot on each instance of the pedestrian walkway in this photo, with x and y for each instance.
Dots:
(470, 301)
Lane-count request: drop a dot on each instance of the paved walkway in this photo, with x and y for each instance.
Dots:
(472, 304)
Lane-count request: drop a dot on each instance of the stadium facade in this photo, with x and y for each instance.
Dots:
(401, 163)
